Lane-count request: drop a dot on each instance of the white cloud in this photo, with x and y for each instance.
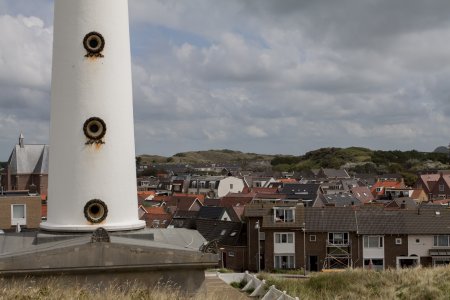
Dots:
(260, 76)
(256, 132)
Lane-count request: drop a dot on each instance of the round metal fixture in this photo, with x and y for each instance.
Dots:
(94, 43)
(94, 128)
(95, 211)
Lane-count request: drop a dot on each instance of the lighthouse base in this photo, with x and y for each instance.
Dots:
(147, 257)
(139, 224)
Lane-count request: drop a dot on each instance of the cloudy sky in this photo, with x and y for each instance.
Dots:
(265, 76)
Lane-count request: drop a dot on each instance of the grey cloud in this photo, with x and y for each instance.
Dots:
(263, 76)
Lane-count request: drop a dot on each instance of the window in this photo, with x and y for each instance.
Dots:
(284, 262)
(231, 186)
(417, 241)
(212, 184)
(284, 238)
(284, 214)
(18, 214)
(441, 241)
(379, 189)
(312, 238)
(338, 238)
(373, 241)
(202, 184)
(231, 253)
(398, 241)
(441, 188)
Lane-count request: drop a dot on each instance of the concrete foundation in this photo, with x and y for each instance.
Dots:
(147, 257)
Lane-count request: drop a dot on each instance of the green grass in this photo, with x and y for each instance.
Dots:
(419, 283)
(239, 285)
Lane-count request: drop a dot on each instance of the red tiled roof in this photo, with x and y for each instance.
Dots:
(156, 210)
(142, 195)
(183, 202)
(200, 197)
(261, 190)
(230, 201)
(152, 219)
(385, 184)
(429, 180)
(239, 210)
(287, 180)
(270, 196)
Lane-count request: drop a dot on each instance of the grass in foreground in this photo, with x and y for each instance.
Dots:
(418, 283)
(56, 289)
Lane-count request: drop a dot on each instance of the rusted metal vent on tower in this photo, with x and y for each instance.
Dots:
(94, 43)
(95, 211)
(94, 129)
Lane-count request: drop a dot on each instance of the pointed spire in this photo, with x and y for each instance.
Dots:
(21, 138)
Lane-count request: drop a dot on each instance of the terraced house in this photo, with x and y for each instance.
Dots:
(293, 236)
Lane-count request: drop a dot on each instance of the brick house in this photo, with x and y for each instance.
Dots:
(372, 237)
(441, 190)
(280, 227)
(428, 182)
(378, 190)
(20, 209)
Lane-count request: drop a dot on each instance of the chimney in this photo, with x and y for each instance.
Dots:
(21, 138)
(403, 205)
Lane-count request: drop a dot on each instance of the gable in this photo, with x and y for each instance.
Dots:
(31, 159)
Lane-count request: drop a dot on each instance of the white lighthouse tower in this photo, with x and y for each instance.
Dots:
(92, 178)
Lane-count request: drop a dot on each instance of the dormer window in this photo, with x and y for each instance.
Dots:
(284, 214)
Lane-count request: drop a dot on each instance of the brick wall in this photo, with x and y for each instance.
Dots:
(391, 250)
(317, 248)
(33, 211)
(23, 182)
(236, 258)
(252, 238)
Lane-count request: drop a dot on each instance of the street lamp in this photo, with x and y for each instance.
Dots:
(257, 227)
(304, 248)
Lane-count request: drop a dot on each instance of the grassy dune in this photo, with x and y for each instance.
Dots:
(419, 283)
(54, 289)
